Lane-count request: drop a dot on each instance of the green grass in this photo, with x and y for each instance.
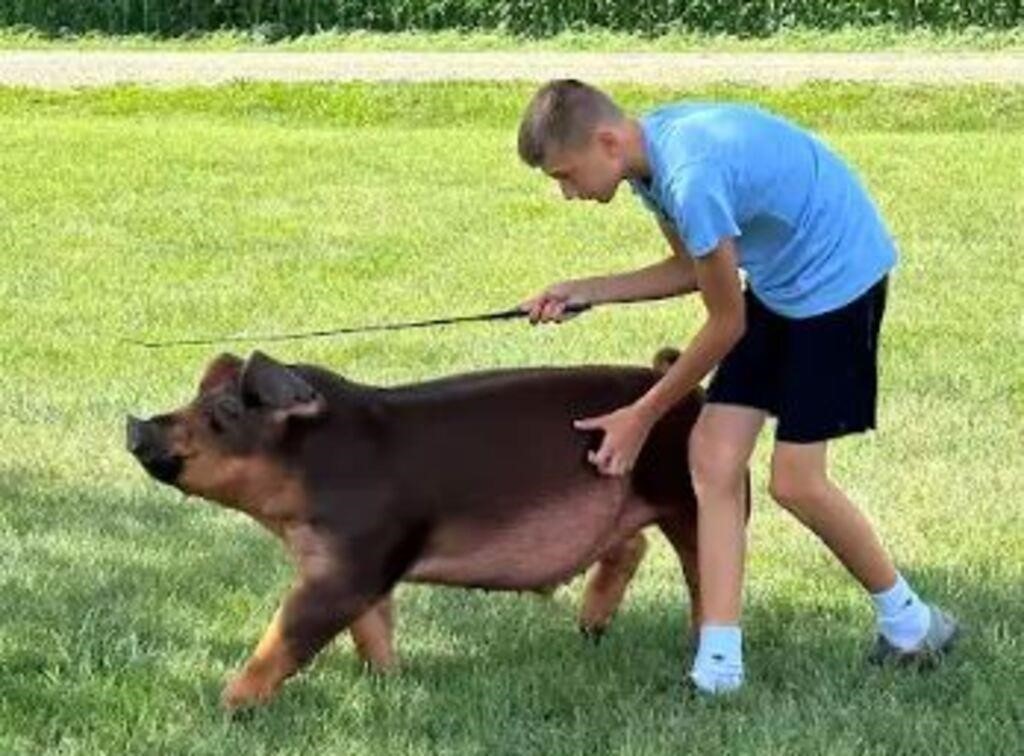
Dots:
(851, 39)
(132, 212)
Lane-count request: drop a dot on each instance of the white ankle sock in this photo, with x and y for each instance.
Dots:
(902, 617)
(718, 666)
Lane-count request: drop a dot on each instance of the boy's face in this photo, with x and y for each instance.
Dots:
(590, 172)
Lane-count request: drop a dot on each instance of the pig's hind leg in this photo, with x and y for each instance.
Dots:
(681, 533)
(373, 636)
(607, 584)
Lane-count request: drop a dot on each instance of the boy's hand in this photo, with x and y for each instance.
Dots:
(550, 304)
(625, 431)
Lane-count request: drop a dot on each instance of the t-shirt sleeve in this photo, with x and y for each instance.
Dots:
(702, 209)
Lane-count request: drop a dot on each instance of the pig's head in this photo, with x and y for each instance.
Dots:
(243, 412)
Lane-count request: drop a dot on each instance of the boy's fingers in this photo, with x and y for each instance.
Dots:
(547, 308)
(550, 310)
(586, 423)
(606, 465)
(601, 458)
(597, 459)
(533, 307)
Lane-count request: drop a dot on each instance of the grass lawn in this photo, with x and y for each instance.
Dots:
(851, 39)
(131, 212)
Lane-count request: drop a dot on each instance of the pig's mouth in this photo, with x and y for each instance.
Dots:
(165, 469)
(145, 442)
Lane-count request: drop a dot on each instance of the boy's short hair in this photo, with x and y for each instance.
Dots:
(563, 113)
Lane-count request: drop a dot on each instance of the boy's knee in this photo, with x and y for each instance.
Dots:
(714, 468)
(793, 489)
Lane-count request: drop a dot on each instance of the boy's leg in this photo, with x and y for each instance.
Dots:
(720, 448)
(907, 626)
(800, 483)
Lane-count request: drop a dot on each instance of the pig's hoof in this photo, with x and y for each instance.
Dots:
(245, 692)
(378, 669)
(593, 633)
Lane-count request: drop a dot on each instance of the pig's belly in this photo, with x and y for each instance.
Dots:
(547, 541)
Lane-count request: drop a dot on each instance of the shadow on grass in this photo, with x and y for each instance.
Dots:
(127, 608)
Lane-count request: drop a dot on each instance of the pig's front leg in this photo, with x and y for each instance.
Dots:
(341, 578)
(311, 615)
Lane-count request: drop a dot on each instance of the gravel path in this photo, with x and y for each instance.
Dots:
(59, 69)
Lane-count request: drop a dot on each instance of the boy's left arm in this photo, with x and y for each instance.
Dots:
(626, 429)
(718, 281)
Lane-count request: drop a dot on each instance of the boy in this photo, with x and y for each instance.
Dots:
(734, 187)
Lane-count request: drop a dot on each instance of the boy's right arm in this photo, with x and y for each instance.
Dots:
(671, 277)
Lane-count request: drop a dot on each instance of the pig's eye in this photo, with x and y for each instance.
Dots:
(215, 425)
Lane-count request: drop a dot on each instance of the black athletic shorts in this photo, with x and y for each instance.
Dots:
(817, 375)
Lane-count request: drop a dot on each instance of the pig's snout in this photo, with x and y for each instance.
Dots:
(143, 438)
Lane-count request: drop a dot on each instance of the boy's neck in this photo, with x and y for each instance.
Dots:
(637, 165)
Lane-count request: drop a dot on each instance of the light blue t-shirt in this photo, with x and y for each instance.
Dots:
(809, 237)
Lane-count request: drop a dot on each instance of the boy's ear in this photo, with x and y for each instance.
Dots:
(608, 140)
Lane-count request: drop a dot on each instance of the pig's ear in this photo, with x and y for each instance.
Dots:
(268, 384)
(225, 367)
